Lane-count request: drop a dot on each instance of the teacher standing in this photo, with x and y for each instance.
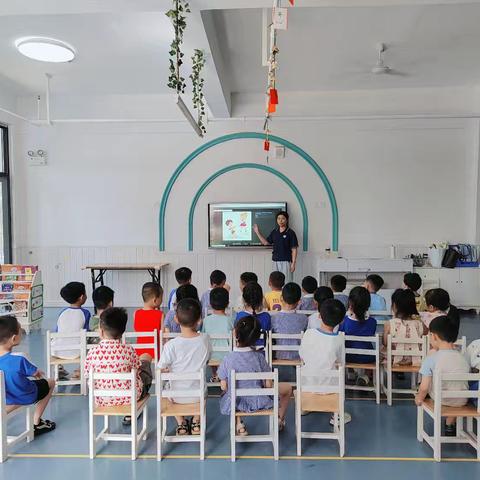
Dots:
(285, 246)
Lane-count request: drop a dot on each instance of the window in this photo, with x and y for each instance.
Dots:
(5, 213)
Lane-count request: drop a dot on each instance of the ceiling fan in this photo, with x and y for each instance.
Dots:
(381, 68)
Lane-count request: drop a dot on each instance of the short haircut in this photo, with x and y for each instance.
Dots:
(445, 327)
(309, 284)
(183, 275)
(9, 327)
(113, 321)
(332, 312)
(283, 214)
(438, 298)
(277, 280)
(189, 312)
(291, 293)
(102, 297)
(217, 277)
(338, 283)
(219, 298)
(187, 291)
(376, 281)
(151, 290)
(253, 296)
(404, 302)
(321, 294)
(246, 277)
(413, 281)
(72, 291)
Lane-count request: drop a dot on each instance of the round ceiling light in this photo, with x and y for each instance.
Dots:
(45, 49)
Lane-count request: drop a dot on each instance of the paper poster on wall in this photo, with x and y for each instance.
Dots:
(237, 226)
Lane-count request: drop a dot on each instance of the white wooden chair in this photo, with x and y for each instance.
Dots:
(434, 408)
(74, 341)
(134, 410)
(235, 392)
(326, 397)
(166, 408)
(296, 339)
(419, 349)
(8, 412)
(374, 366)
(91, 335)
(165, 337)
(131, 338)
(460, 344)
(217, 341)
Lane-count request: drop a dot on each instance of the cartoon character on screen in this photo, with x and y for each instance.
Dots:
(231, 228)
(244, 222)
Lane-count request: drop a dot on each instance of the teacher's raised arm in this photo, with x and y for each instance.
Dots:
(285, 246)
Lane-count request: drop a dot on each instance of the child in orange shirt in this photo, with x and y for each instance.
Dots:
(149, 318)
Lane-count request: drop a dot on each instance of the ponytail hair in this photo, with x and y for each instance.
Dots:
(359, 302)
(253, 296)
(247, 331)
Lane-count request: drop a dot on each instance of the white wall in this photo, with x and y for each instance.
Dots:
(404, 182)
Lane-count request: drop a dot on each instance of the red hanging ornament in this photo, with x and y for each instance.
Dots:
(266, 145)
(292, 2)
(271, 108)
(273, 96)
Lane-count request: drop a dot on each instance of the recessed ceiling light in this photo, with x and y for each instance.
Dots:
(45, 49)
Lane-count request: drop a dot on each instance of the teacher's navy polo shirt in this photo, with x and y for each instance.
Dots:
(282, 244)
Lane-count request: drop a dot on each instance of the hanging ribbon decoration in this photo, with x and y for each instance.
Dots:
(271, 92)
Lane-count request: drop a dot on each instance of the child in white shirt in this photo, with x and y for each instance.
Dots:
(321, 294)
(187, 353)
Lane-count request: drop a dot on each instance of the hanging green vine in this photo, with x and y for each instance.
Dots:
(198, 62)
(178, 19)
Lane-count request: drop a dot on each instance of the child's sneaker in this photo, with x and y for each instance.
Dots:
(450, 430)
(348, 419)
(363, 381)
(43, 426)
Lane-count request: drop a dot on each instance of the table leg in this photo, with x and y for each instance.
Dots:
(155, 276)
(92, 272)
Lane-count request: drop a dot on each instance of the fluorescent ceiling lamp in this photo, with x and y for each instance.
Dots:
(45, 49)
(186, 112)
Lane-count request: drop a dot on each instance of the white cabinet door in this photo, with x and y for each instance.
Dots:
(450, 281)
(468, 292)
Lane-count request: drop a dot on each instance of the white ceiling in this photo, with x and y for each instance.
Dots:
(334, 48)
(123, 45)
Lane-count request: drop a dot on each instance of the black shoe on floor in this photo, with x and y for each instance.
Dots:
(450, 430)
(44, 426)
(127, 421)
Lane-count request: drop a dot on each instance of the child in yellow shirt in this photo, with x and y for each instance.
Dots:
(273, 298)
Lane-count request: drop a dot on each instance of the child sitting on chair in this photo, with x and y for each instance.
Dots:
(406, 323)
(245, 277)
(339, 284)
(149, 318)
(288, 321)
(217, 279)
(102, 298)
(321, 294)
(187, 353)
(185, 291)
(72, 319)
(413, 282)
(218, 322)
(113, 356)
(183, 276)
(309, 285)
(253, 305)
(438, 304)
(443, 335)
(17, 370)
(273, 299)
(245, 358)
(322, 348)
(373, 283)
(358, 323)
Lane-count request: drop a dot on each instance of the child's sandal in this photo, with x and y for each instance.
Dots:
(241, 429)
(195, 428)
(281, 424)
(183, 429)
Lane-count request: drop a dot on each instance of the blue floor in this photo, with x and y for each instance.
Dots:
(380, 441)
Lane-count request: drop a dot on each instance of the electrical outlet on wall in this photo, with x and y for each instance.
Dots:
(37, 158)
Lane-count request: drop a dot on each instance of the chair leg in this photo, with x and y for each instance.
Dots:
(29, 422)
(437, 432)
(459, 426)
(159, 436)
(389, 387)
(91, 436)
(377, 385)
(232, 436)
(420, 424)
(3, 437)
(341, 439)
(275, 437)
(298, 427)
(133, 434)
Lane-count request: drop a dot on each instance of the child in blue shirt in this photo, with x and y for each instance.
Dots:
(358, 323)
(253, 305)
(183, 276)
(218, 279)
(309, 285)
(373, 283)
(17, 370)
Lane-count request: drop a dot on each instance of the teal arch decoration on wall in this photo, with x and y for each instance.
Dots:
(241, 135)
(255, 166)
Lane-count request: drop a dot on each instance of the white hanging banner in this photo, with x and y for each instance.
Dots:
(280, 18)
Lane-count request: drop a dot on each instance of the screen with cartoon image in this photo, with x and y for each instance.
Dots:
(231, 224)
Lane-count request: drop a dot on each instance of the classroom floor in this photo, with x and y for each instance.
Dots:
(380, 442)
